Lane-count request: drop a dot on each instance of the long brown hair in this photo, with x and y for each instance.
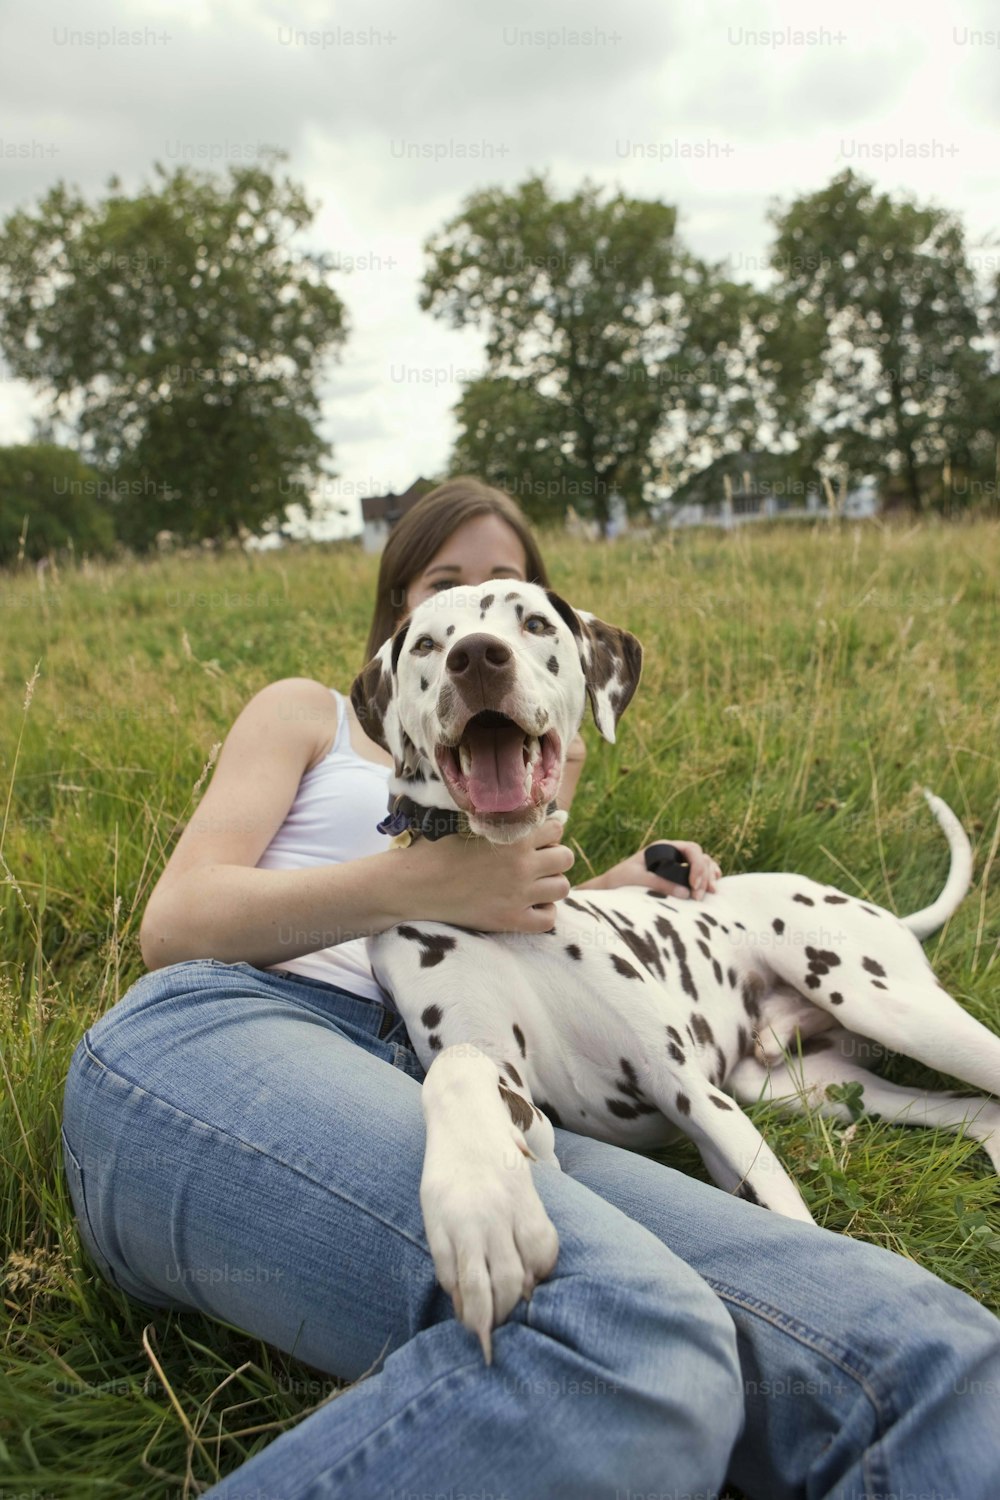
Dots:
(423, 531)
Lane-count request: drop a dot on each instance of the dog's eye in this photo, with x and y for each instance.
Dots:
(422, 645)
(538, 625)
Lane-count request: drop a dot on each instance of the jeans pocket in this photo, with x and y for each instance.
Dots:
(78, 1198)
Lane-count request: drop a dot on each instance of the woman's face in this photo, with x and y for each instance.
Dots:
(485, 547)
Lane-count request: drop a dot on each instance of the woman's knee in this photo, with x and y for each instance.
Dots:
(614, 1377)
(638, 1324)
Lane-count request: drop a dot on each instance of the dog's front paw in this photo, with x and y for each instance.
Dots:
(489, 1234)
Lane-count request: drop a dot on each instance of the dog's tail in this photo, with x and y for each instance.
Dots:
(923, 923)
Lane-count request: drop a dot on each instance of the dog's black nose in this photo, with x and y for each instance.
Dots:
(478, 654)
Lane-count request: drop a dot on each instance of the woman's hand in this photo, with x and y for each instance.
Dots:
(704, 872)
(493, 887)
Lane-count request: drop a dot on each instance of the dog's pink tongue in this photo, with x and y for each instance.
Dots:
(496, 778)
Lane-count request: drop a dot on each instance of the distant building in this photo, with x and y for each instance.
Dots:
(743, 487)
(379, 513)
(863, 501)
(617, 516)
(584, 526)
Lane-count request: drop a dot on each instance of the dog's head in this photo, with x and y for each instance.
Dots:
(479, 693)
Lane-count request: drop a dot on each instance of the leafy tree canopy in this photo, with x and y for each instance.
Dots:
(877, 334)
(182, 335)
(50, 499)
(598, 324)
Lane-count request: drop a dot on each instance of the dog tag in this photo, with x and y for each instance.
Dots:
(667, 861)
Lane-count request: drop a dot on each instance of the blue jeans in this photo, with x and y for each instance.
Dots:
(250, 1144)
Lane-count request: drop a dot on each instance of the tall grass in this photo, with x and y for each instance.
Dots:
(799, 688)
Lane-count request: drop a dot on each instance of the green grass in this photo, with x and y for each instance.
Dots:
(799, 688)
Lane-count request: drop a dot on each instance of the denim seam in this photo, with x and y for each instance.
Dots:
(103, 1264)
(453, 1375)
(249, 1146)
(863, 1378)
(401, 1060)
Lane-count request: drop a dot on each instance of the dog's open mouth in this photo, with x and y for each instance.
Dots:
(497, 767)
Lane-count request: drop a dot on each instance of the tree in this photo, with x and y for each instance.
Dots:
(183, 336)
(51, 499)
(876, 335)
(599, 325)
(516, 438)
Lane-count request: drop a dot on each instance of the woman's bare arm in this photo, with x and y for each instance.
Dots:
(212, 902)
(703, 873)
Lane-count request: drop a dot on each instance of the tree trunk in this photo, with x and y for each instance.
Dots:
(905, 442)
(601, 513)
(589, 455)
(913, 477)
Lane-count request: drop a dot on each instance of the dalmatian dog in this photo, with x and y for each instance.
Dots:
(639, 1015)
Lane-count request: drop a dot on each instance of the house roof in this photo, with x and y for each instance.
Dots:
(747, 471)
(391, 506)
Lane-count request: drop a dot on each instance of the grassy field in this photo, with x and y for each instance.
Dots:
(800, 687)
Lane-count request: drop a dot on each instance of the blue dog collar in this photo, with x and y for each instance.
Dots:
(407, 816)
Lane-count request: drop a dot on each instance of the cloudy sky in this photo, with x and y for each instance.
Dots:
(392, 113)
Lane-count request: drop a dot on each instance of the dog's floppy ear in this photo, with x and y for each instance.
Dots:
(371, 694)
(611, 661)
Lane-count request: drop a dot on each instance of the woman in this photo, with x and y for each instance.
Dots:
(243, 1135)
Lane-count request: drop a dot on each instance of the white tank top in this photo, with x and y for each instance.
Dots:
(332, 820)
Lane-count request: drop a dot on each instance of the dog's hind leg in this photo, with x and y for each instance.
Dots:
(884, 988)
(800, 1083)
